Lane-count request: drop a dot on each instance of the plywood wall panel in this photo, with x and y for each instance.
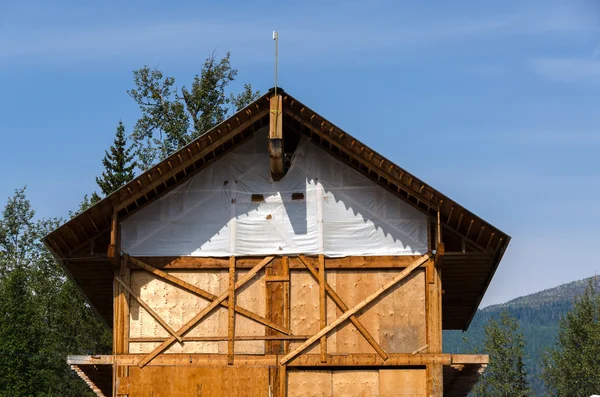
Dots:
(310, 384)
(354, 383)
(231, 381)
(402, 383)
(304, 307)
(251, 297)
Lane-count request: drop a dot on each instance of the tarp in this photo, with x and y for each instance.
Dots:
(232, 207)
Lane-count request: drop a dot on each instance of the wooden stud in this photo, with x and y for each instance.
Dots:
(231, 323)
(403, 274)
(282, 381)
(344, 308)
(285, 264)
(322, 306)
(205, 294)
(190, 324)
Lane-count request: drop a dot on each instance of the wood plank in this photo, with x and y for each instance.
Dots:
(358, 307)
(350, 262)
(149, 310)
(285, 264)
(221, 338)
(231, 318)
(283, 381)
(322, 307)
(344, 308)
(303, 360)
(205, 294)
(190, 324)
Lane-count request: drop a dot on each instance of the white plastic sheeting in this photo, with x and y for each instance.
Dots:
(342, 213)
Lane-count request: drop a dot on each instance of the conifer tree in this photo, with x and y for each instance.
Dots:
(572, 367)
(118, 164)
(505, 376)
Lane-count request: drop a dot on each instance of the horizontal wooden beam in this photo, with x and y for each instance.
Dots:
(303, 360)
(221, 338)
(349, 262)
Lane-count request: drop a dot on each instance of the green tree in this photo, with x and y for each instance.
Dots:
(118, 165)
(572, 367)
(505, 375)
(20, 337)
(43, 317)
(171, 117)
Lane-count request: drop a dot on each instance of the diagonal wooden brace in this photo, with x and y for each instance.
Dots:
(149, 310)
(205, 294)
(403, 274)
(220, 299)
(344, 308)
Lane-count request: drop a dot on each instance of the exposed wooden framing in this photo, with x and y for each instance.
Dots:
(303, 360)
(222, 338)
(283, 381)
(276, 138)
(403, 274)
(344, 308)
(205, 294)
(113, 253)
(149, 310)
(322, 306)
(190, 324)
(285, 264)
(434, 370)
(231, 318)
(349, 262)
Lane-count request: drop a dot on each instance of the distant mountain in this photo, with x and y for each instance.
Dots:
(538, 316)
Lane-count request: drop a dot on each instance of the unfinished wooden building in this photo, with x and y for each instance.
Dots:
(277, 255)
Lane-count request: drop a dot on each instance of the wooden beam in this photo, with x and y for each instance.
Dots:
(285, 264)
(283, 381)
(276, 139)
(344, 308)
(403, 274)
(322, 306)
(149, 310)
(350, 262)
(190, 324)
(222, 338)
(205, 294)
(231, 322)
(303, 360)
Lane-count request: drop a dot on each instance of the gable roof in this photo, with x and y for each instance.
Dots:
(473, 247)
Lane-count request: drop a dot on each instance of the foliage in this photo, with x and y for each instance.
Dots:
(538, 315)
(118, 163)
(43, 317)
(572, 367)
(171, 118)
(505, 375)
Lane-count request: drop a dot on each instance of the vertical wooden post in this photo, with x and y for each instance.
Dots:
(283, 381)
(435, 382)
(231, 324)
(285, 263)
(323, 307)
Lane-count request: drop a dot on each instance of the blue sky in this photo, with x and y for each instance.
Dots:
(496, 104)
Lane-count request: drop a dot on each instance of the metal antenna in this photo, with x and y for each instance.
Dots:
(276, 38)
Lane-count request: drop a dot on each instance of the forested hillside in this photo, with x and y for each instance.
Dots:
(538, 315)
